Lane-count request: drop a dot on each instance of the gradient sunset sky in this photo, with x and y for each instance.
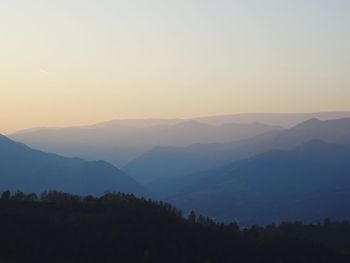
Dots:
(65, 62)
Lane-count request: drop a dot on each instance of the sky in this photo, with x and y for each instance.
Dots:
(65, 62)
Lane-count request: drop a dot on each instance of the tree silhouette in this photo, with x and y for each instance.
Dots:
(18, 196)
(192, 218)
(6, 195)
(117, 227)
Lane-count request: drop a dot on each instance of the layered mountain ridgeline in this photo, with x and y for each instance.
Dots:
(119, 142)
(121, 228)
(34, 171)
(285, 120)
(167, 162)
(308, 183)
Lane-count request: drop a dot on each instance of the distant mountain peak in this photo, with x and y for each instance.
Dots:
(308, 123)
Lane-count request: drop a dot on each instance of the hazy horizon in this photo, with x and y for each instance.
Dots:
(67, 63)
(196, 118)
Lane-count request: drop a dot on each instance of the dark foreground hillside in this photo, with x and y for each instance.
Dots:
(121, 228)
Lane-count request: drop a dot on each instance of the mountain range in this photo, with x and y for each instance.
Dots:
(296, 173)
(166, 162)
(23, 168)
(307, 183)
(286, 120)
(121, 141)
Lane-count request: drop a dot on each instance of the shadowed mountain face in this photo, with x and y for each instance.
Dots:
(167, 162)
(121, 141)
(308, 183)
(34, 171)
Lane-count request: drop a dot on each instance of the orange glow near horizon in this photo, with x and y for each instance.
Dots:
(68, 63)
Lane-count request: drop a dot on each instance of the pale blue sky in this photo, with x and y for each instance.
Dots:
(82, 61)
